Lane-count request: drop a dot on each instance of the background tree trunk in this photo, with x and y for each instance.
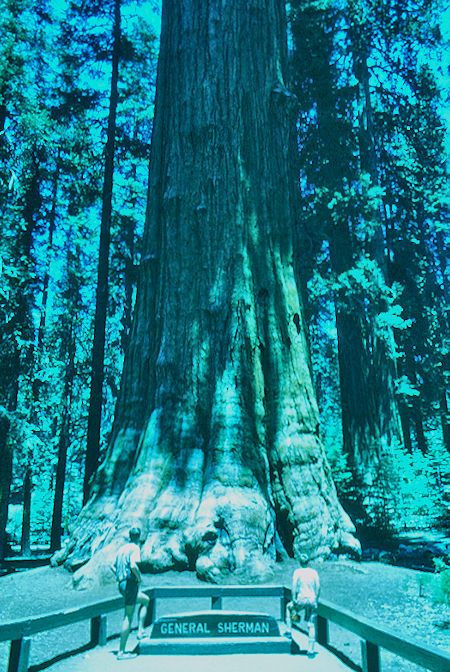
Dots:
(5, 480)
(101, 304)
(345, 154)
(63, 445)
(25, 543)
(50, 252)
(445, 418)
(215, 451)
(386, 428)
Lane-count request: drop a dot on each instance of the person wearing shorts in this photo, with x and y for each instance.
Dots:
(305, 593)
(129, 578)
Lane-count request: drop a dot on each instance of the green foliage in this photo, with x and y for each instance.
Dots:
(405, 389)
(342, 474)
(373, 208)
(53, 115)
(442, 584)
(407, 492)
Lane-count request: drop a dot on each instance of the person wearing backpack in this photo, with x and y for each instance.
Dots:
(129, 579)
(305, 593)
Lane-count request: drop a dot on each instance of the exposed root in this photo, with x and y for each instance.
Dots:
(231, 530)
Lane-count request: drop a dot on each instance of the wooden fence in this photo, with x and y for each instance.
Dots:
(373, 638)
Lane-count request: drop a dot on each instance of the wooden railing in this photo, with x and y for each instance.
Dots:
(373, 638)
(19, 632)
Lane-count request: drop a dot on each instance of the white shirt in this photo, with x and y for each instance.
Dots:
(305, 586)
(127, 557)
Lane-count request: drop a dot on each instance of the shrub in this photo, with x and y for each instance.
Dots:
(442, 584)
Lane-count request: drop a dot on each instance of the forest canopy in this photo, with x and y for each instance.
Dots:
(365, 94)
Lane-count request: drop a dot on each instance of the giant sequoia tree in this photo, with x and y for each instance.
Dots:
(215, 451)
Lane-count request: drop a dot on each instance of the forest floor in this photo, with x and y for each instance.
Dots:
(395, 598)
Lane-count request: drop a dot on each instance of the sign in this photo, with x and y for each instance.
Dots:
(215, 624)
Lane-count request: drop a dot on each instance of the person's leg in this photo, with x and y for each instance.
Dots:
(143, 600)
(311, 629)
(126, 627)
(288, 617)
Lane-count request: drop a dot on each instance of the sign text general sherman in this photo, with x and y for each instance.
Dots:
(216, 624)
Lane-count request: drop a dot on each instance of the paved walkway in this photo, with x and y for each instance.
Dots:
(104, 660)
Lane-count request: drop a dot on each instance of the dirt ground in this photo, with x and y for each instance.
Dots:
(392, 597)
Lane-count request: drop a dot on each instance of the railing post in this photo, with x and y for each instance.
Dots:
(151, 612)
(285, 597)
(216, 601)
(322, 630)
(99, 625)
(370, 655)
(19, 655)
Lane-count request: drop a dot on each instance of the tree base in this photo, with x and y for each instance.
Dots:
(233, 534)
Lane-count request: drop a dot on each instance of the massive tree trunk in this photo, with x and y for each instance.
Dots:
(215, 451)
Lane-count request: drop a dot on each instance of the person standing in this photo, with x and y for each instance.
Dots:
(128, 575)
(305, 593)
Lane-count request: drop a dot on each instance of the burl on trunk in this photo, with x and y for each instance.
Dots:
(215, 451)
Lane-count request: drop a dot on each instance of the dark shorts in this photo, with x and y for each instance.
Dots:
(129, 589)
